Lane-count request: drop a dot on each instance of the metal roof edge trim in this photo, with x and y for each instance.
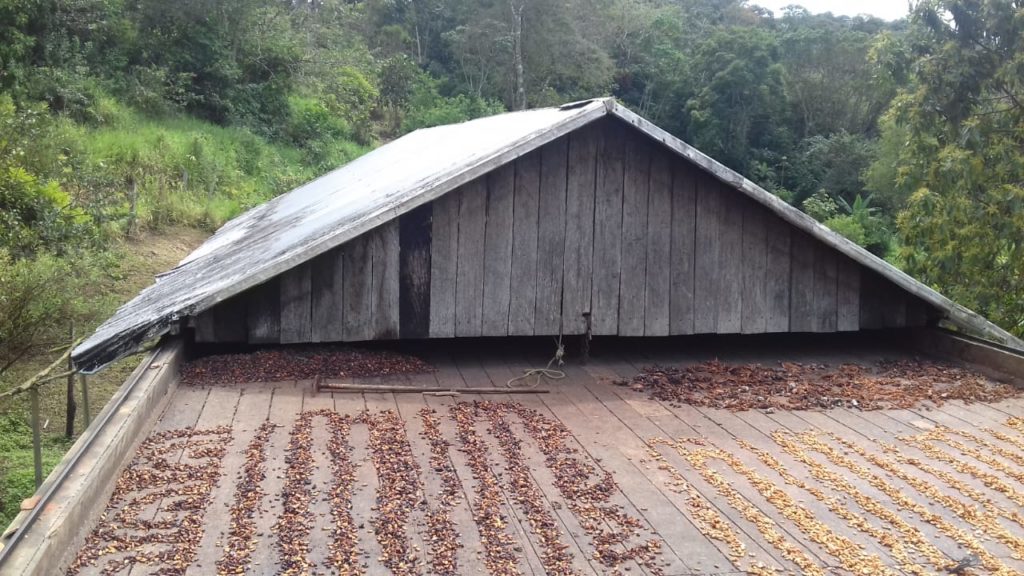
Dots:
(961, 315)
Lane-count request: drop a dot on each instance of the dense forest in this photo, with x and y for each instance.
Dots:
(117, 116)
(120, 117)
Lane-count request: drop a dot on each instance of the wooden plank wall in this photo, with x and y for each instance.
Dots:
(602, 221)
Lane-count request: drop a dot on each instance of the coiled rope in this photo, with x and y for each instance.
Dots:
(546, 372)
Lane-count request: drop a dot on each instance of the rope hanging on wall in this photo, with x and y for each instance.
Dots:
(547, 372)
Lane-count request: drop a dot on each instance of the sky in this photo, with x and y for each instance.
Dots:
(885, 9)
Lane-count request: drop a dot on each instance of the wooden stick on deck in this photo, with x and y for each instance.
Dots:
(426, 389)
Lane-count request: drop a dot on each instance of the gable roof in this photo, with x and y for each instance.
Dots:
(393, 179)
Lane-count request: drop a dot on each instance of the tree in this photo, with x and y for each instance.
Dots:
(961, 164)
(742, 101)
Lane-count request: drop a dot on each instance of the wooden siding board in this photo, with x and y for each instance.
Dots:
(777, 292)
(327, 281)
(384, 303)
(894, 306)
(551, 236)
(917, 312)
(755, 269)
(498, 251)
(414, 240)
(871, 293)
(730, 263)
(608, 231)
(204, 326)
(443, 260)
(848, 296)
(263, 318)
(296, 305)
(525, 206)
(469, 283)
(801, 317)
(659, 247)
(579, 229)
(635, 192)
(357, 285)
(706, 272)
(825, 288)
(684, 213)
(230, 317)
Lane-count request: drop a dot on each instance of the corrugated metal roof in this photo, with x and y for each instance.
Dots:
(389, 181)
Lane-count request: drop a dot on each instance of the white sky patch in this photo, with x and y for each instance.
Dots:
(885, 9)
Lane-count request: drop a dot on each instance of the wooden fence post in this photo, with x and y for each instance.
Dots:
(85, 401)
(72, 407)
(37, 447)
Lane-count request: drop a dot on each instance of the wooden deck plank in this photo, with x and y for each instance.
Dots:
(573, 535)
(741, 430)
(475, 376)
(796, 424)
(251, 412)
(673, 427)
(864, 431)
(471, 548)
(629, 420)
(207, 409)
(285, 405)
(320, 482)
(594, 434)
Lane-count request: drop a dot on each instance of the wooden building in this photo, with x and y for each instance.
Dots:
(546, 222)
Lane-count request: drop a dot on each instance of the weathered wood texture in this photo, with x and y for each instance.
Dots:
(469, 282)
(357, 260)
(498, 251)
(385, 269)
(635, 193)
(658, 288)
(328, 272)
(297, 305)
(551, 236)
(443, 253)
(523, 296)
(600, 221)
(579, 229)
(681, 254)
(608, 231)
(414, 240)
